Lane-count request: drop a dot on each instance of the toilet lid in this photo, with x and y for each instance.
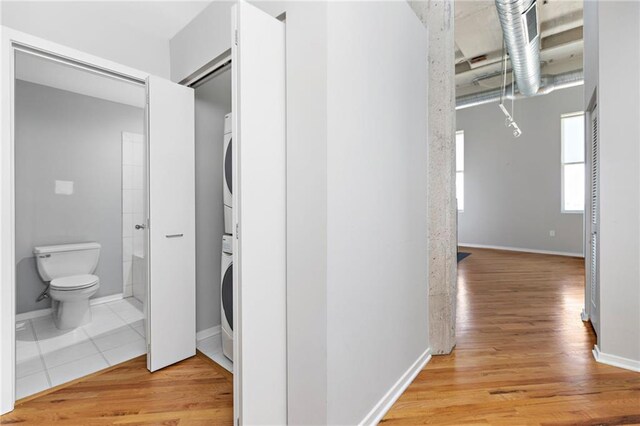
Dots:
(74, 282)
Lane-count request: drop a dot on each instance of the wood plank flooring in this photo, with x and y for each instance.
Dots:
(523, 356)
(194, 392)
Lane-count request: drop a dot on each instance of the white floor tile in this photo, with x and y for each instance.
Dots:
(31, 384)
(140, 329)
(53, 341)
(222, 360)
(210, 345)
(26, 351)
(69, 354)
(104, 325)
(116, 338)
(125, 352)
(29, 366)
(74, 370)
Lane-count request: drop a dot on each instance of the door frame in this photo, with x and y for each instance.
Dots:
(12, 41)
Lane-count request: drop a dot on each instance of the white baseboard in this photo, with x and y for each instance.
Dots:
(33, 314)
(206, 333)
(615, 361)
(44, 312)
(105, 299)
(380, 409)
(524, 250)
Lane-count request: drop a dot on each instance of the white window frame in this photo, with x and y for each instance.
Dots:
(459, 132)
(563, 163)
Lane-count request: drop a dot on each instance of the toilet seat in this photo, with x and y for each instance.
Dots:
(74, 282)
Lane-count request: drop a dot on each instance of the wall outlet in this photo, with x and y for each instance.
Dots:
(552, 233)
(64, 187)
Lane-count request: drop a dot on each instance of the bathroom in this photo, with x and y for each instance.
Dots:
(80, 220)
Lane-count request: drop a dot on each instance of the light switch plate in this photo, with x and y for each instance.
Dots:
(64, 187)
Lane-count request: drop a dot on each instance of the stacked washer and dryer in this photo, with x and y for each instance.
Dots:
(226, 270)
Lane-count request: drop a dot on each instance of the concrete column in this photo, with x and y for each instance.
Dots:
(437, 16)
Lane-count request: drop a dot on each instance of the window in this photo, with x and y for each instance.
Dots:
(460, 169)
(572, 128)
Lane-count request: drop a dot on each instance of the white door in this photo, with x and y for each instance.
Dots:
(594, 209)
(259, 195)
(171, 297)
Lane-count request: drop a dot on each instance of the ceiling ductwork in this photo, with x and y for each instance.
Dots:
(519, 21)
(548, 84)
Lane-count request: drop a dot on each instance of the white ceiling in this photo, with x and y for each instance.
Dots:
(159, 19)
(478, 38)
(46, 72)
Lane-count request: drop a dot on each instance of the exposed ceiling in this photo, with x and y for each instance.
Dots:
(478, 39)
(58, 75)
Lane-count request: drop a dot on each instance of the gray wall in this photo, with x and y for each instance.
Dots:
(65, 136)
(513, 186)
(213, 101)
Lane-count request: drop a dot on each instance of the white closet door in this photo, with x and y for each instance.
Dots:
(259, 191)
(171, 297)
(594, 223)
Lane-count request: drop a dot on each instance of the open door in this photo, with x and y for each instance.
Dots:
(171, 296)
(259, 196)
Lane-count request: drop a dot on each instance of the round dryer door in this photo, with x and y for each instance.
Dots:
(227, 295)
(228, 166)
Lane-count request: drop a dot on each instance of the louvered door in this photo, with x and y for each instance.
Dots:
(594, 209)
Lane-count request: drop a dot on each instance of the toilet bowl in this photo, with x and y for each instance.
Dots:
(69, 270)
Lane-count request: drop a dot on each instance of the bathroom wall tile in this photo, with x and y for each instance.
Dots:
(138, 177)
(127, 225)
(127, 291)
(127, 151)
(74, 370)
(69, 354)
(127, 201)
(137, 201)
(127, 249)
(127, 273)
(31, 384)
(138, 244)
(127, 176)
(138, 152)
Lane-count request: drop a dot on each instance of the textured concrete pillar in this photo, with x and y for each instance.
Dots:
(437, 16)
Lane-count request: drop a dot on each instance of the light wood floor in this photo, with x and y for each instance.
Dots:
(194, 392)
(523, 356)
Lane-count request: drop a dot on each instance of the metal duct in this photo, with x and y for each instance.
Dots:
(519, 22)
(549, 84)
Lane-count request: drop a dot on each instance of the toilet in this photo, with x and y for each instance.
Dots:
(68, 268)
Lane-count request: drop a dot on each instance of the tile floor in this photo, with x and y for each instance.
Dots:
(47, 357)
(212, 347)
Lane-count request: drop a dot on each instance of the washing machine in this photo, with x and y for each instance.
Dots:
(226, 296)
(227, 175)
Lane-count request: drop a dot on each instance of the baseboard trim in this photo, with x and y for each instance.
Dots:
(380, 409)
(208, 332)
(44, 312)
(106, 299)
(524, 250)
(33, 314)
(615, 361)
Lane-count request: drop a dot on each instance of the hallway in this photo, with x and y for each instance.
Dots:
(523, 356)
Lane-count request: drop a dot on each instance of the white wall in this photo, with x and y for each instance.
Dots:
(377, 202)
(82, 26)
(513, 186)
(308, 178)
(208, 36)
(618, 87)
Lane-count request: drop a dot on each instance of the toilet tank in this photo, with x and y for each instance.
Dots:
(64, 260)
